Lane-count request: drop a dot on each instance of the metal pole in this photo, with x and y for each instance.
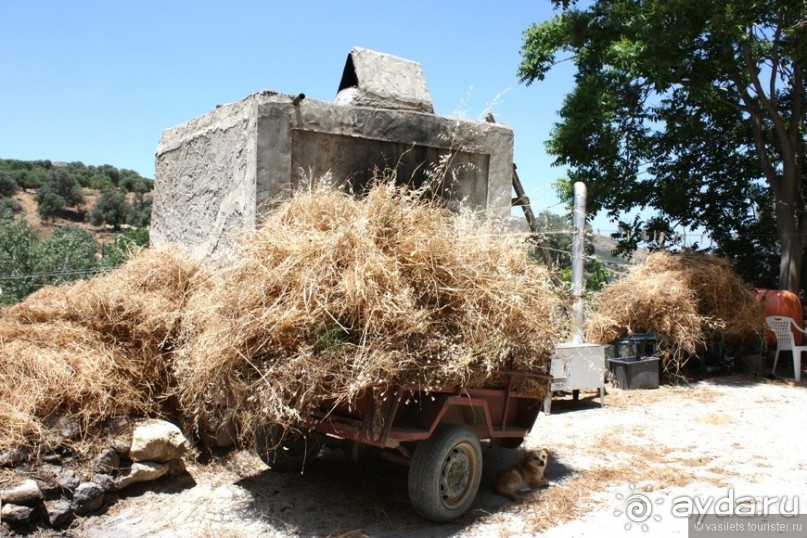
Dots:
(577, 261)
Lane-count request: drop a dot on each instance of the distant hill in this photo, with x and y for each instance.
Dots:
(616, 266)
(26, 177)
(603, 246)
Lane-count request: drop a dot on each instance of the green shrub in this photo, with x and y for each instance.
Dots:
(8, 208)
(110, 208)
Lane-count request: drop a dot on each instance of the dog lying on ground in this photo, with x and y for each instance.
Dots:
(529, 472)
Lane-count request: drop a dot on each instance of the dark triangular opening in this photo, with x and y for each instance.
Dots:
(349, 78)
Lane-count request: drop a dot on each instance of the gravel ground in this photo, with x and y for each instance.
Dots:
(646, 449)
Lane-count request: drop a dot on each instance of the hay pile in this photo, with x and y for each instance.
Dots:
(335, 295)
(91, 350)
(684, 298)
(331, 297)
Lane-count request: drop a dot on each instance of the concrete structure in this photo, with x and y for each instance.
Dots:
(379, 80)
(221, 171)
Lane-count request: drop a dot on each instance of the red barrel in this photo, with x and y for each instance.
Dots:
(781, 303)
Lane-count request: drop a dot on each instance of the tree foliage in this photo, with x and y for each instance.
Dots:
(8, 208)
(59, 192)
(28, 262)
(110, 208)
(67, 251)
(556, 232)
(33, 174)
(124, 244)
(693, 108)
(17, 261)
(8, 185)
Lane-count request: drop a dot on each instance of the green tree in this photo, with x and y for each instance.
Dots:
(31, 179)
(68, 254)
(49, 203)
(124, 244)
(556, 231)
(695, 108)
(8, 208)
(60, 191)
(110, 208)
(8, 186)
(140, 214)
(17, 259)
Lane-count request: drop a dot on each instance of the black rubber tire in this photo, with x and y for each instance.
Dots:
(286, 451)
(445, 472)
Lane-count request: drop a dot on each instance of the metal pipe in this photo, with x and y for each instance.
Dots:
(577, 261)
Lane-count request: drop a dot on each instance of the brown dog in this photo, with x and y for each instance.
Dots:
(529, 472)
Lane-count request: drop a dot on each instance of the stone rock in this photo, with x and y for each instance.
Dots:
(13, 456)
(59, 512)
(27, 493)
(222, 433)
(145, 471)
(104, 480)
(68, 480)
(157, 440)
(15, 515)
(120, 445)
(62, 428)
(118, 425)
(176, 467)
(107, 461)
(87, 498)
(51, 469)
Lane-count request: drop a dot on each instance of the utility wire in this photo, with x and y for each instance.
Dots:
(56, 274)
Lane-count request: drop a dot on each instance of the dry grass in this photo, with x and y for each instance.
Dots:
(717, 419)
(624, 399)
(684, 298)
(335, 295)
(651, 468)
(91, 350)
(568, 500)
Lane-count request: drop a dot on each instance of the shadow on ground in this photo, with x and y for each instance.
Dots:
(337, 496)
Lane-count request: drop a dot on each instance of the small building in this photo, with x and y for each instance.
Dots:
(222, 171)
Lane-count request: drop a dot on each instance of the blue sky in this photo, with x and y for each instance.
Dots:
(98, 81)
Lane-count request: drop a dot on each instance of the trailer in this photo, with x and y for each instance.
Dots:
(438, 434)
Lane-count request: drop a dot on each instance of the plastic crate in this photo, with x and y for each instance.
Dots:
(634, 372)
(639, 344)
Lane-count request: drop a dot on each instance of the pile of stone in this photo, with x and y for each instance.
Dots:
(155, 449)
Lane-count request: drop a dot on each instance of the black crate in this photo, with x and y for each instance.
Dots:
(639, 344)
(636, 372)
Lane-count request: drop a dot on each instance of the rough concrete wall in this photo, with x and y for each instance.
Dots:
(218, 173)
(204, 186)
(318, 137)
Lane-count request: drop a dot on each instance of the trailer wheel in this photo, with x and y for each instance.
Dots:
(286, 451)
(445, 472)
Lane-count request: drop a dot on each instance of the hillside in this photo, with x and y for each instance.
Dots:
(20, 181)
(616, 266)
(43, 228)
(46, 236)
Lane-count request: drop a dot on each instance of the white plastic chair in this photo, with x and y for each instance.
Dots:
(781, 325)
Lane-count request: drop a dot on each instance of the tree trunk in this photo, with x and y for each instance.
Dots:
(790, 220)
(791, 256)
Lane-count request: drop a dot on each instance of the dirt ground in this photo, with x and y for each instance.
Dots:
(718, 436)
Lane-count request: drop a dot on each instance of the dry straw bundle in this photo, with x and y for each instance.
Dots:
(91, 350)
(334, 295)
(684, 298)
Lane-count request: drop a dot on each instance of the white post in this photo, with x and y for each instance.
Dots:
(577, 261)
